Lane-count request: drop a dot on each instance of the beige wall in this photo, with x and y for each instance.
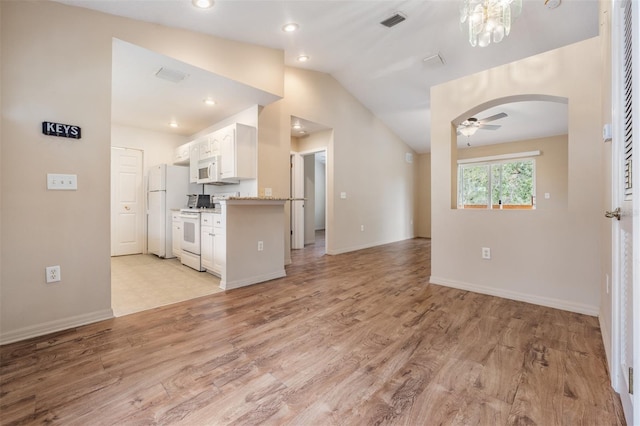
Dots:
(542, 256)
(551, 166)
(317, 141)
(365, 160)
(56, 66)
(423, 196)
(39, 83)
(157, 147)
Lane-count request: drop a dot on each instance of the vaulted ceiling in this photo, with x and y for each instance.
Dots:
(384, 68)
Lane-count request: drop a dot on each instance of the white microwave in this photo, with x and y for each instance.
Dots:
(209, 170)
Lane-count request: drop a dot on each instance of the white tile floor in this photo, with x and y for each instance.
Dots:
(144, 281)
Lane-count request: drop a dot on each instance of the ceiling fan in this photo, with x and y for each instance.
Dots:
(469, 126)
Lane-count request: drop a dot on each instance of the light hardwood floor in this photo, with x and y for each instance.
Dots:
(355, 339)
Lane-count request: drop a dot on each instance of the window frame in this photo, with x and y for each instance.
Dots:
(490, 161)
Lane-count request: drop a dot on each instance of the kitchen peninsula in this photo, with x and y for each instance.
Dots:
(250, 245)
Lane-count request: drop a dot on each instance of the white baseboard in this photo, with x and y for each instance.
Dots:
(253, 280)
(366, 246)
(549, 302)
(606, 341)
(54, 326)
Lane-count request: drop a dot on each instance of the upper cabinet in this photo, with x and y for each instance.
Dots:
(205, 148)
(182, 155)
(238, 152)
(193, 163)
(236, 145)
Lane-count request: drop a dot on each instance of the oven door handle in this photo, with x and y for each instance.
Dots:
(194, 217)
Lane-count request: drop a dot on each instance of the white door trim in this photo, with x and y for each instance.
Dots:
(297, 205)
(630, 402)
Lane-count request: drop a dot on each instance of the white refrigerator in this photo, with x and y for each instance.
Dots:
(167, 188)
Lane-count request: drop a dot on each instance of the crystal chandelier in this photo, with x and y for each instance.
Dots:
(488, 20)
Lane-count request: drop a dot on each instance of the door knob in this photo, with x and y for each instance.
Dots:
(615, 213)
(127, 208)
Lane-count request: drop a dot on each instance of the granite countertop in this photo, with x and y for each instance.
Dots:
(258, 199)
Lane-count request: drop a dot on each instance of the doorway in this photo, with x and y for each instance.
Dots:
(309, 200)
(309, 146)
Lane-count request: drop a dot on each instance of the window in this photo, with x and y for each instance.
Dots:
(506, 184)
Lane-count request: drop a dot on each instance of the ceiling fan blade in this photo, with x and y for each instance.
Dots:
(494, 117)
(490, 126)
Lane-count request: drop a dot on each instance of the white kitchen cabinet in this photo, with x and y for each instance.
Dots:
(212, 242)
(182, 155)
(219, 244)
(193, 162)
(176, 234)
(206, 241)
(238, 152)
(205, 148)
(214, 142)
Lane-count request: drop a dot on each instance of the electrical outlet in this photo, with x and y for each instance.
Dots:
(53, 274)
(486, 253)
(260, 245)
(62, 182)
(361, 228)
(268, 192)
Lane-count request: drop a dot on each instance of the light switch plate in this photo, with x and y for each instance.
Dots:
(57, 182)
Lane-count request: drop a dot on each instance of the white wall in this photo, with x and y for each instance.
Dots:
(550, 257)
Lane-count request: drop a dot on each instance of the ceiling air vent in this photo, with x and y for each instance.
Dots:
(394, 19)
(173, 76)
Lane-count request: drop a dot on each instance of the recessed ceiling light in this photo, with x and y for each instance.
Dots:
(297, 126)
(202, 4)
(173, 124)
(209, 101)
(290, 27)
(302, 132)
(303, 58)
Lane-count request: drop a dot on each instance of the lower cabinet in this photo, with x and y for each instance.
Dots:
(206, 247)
(219, 250)
(213, 243)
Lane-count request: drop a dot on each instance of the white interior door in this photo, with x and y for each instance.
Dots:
(625, 192)
(126, 201)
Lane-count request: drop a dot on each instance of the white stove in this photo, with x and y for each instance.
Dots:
(190, 243)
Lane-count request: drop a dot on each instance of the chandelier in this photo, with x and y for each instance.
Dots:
(487, 20)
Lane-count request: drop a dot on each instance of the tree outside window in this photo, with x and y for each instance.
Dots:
(508, 184)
